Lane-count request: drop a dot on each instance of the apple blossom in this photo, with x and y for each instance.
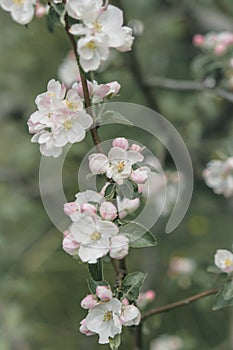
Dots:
(130, 315)
(69, 244)
(104, 293)
(104, 319)
(224, 260)
(22, 11)
(83, 328)
(119, 247)
(93, 235)
(140, 175)
(219, 176)
(121, 142)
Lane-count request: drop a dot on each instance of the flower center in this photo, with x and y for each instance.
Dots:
(67, 125)
(18, 2)
(70, 105)
(228, 262)
(95, 236)
(121, 166)
(91, 45)
(107, 316)
(97, 26)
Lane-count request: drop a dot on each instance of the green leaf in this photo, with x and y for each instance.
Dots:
(228, 290)
(115, 117)
(54, 17)
(131, 285)
(213, 269)
(221, 302)
(128, 189)
(138, 235)
(92, 284)
(115, 342)
(110, 191)
(96, 270)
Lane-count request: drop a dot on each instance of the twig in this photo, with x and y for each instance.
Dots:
(177, 304)
(188, 85)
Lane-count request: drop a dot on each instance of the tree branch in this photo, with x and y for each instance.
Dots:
(188, 85)
(177, 304)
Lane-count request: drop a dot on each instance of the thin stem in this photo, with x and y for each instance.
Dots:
(177, 304)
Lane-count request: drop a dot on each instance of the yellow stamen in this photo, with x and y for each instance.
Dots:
(120, 166)
(67, 125)
(97, 26)
(107, 316)
(70, 105)
(228, 262)
(18, 2)
(91, 45)
(95, 236)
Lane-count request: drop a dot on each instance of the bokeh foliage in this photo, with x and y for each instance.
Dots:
(41, 286)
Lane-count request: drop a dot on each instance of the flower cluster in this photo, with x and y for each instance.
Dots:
(118, 165)
(219, 176)
(106, 315)
(99, 28)
(22, 11)
(224, 260)
(61, 117)
(92, 234)
(217, 43)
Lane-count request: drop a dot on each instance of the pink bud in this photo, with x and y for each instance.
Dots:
(104, 293)
(121, 142)
(83, 328)
(119, 247)
(69, 245)
(140, 175)
(114, 88)
(125, 302)
(220, 49)
(198, 40)
(89, 301)
(40, 10)
(150, 295)
(108, 211)
(70, 208)
(135, 147)
(98, 163)
(89, 208)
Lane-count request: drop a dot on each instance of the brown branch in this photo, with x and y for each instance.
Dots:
(187, 85)
(177, 304)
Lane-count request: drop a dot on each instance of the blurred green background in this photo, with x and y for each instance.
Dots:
(40, 285)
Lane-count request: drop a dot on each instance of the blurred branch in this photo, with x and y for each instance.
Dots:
(177, 304)
(188, 85)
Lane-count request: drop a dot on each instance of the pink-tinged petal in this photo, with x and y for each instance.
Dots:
(108, 211)
(89, 301)
(140, 175)
(119, 247)
(117, 153)
(135, 157)
(104, 293)
(121, 142)
(98, 163)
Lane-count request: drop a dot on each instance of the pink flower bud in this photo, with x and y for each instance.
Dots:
(89, 208)
(104, 293)
(40, 10)
(150, 295)
(220, 49)
(130, 315)
(69, 245)
(114, 88)
(70, 208)
(98, 163)
(140, 175)
(121, 142)
(125, 302)
(198, 40)
(83, 328)
(119, 247)
(108, 211)
(89, 301)
(135, 147)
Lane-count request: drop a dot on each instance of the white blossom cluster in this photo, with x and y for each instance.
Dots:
(106, 315)
(61, 118)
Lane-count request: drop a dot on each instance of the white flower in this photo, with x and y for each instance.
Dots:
(168, 342)
(93, 235)
(104, 319)
(22, 11)
(140, 175)
(118, 164)
(219, 176)
(87, 10)
(224, 260)
(119, 247)
(69, 244)
(130, 315)
(92, 49)
(83, 328)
